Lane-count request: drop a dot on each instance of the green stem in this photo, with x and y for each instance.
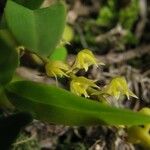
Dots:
(4, 102)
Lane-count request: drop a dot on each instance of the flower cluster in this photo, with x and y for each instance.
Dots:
(83, 86)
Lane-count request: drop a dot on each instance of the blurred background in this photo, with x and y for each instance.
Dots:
(118, 33)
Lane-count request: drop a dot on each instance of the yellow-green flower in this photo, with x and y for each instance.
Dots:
(118, 86)
(140, 134)
(80, 85)
(84, 59)
(56, 68)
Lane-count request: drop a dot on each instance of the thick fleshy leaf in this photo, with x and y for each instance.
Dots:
(8, 61)
(5, 34)
(38, 30)
(59, 106)
(32, 4)
(3, 24)
(60, 53)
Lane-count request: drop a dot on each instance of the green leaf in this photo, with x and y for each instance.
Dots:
(38, 30)
(31, 4)
(3, 24)
(60, 53)
(8, 61)
(59, 106)
(5, 34)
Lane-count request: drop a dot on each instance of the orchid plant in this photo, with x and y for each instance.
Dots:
(28, 27)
